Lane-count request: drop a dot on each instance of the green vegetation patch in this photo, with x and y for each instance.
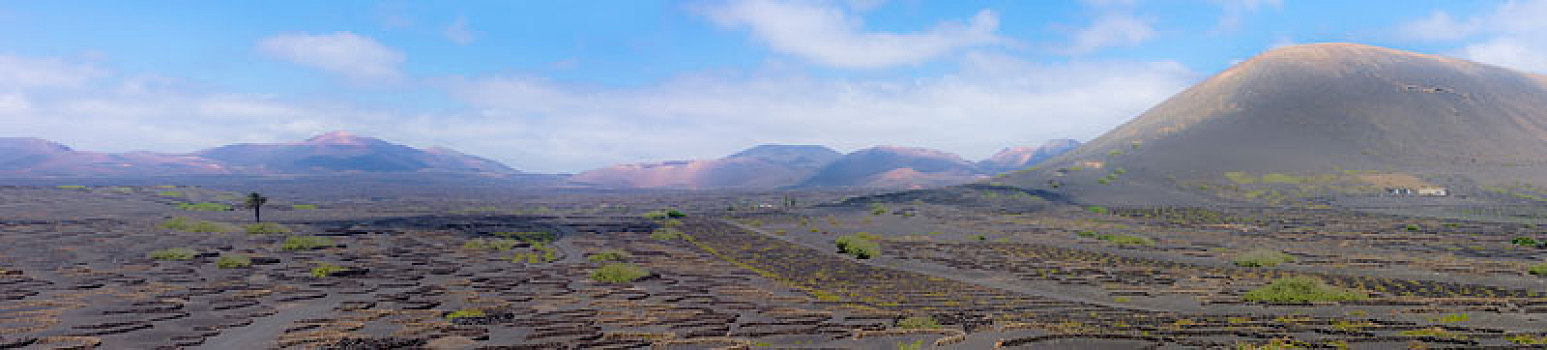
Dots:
(1302, 290)
(1452, 318)
(174, 254)
(200, 226)
(1096, 209)
(1538, 269)
(71, 187)
(1240, 178)
(296, 243)
(664, 213)
(619, 273)
(1527, 339)
(1262, 258)
(878, 209)
(204, 206)
(540, 253)
(326, 269)
(1275, 178)
(464, 313)
(170, 194)
(265, 228)
(1432, 332)
(303, 206)
(610, 255)
(918, 322)
(1127, 240)
(234, 261)
(665, 234)
(858, 245)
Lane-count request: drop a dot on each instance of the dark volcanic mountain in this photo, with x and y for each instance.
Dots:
(1318, 120)
(895, 167)
(344, 152)
(1016, 158)
(332, 153)
(761, 167)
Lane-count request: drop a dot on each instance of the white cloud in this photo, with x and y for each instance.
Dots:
(534, 124)
(458, 32)
(832, 36)
(25, 72)
(358, 58)
(114, 112)
(1109, 30)
(1510, 52)
(1511, 35)
(994, 101)
(1236, 10)
(1440, 26)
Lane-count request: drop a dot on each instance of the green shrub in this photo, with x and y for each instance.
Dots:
(1125, 240)
(174, 254)
(266, 228)
(1527, 339)
(858, 246)
(664, 214)
(71, 187)
(464, 313)
(294, 243)
(304, 207)
(618, 273)
(204, 207)
(665, 234)
(233, 261)
(1413, 227)
(169, 194)
(1097, 209)
(610, 255)
(1538, 269)
(1086, 234)
(1452, 318)
(917, 322)
(1300, 290)
(915, 345)
(1262, 258)
(1525, 242)
(177, 224)
(1273, 178)
(878, 209)
(326, 269)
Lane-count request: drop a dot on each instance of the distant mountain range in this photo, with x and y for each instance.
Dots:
(342, 153)
(332, 153)
(808, 166)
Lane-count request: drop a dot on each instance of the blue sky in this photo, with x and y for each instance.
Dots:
(568, 86)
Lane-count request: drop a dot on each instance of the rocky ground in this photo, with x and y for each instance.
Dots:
(94, 267)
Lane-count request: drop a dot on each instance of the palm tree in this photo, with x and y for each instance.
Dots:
(255, 201)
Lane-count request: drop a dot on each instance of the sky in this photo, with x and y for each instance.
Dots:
(566, 86)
